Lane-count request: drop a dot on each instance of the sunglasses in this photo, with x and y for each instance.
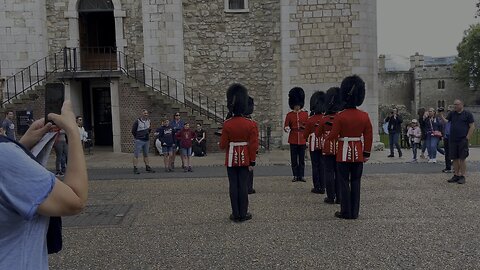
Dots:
(177, 114)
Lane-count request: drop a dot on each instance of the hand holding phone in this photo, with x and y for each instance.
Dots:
(54, 97)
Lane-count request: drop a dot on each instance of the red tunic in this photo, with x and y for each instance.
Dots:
(329, 147)
(310, 132)
(240, 139)
(296, 122)
(354, 128)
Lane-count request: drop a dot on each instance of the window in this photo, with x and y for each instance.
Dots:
(441, 84)
(238, 6)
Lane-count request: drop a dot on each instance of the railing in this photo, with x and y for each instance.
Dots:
(109, 59)
(31, 76)
(265, 134)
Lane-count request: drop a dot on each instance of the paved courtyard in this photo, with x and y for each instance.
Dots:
(407, 221)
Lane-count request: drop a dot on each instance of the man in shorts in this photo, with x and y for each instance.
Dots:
(461, 130)
(141, 131)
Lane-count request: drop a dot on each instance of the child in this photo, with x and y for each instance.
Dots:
(414, 134)
(185, 137)
(165, 142)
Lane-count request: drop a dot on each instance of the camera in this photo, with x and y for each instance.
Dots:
(440, 109)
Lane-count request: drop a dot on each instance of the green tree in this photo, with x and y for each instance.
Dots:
(467, 67)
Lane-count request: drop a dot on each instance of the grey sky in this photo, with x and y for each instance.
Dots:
(430, 27)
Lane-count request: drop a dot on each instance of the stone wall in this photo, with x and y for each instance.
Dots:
(430, 94)
(325, 40)
(163, 37)
(22, 34)
(396, 88)
(222, 48)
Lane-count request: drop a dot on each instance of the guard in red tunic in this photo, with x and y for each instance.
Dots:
(329, 147)
(316, 114)
(240, 140)
(295, 124)
(354, 131)
(248, 115)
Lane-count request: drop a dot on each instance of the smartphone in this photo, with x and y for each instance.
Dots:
(54, 97)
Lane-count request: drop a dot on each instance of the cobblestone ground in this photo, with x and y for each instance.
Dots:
(407, 221)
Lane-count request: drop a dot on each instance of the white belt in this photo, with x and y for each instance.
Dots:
(230, 151)
(312, 142)
(346, 140)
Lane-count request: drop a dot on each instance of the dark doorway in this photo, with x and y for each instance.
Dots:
(97, 36)
(102, 116)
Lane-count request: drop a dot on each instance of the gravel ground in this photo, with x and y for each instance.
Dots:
(407, 221)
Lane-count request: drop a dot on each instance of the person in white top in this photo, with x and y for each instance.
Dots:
(81, 130)
(415, 135)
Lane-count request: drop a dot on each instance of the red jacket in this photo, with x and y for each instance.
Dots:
(185, 136)
(329, 147)
(296, 122)
(240, 140)
(354, 129)
(310, 132)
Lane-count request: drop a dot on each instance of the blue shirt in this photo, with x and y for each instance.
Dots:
(459, 124)
(24, 185)
(9, 128)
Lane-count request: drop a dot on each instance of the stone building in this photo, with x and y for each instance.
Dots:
(429, 82)
(110, 54)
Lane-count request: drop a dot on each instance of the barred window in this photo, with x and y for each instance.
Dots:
(236, 6)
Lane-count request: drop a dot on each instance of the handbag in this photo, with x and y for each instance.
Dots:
(385, 127)
(435, 133)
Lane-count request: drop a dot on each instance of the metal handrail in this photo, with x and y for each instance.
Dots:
(168, 86)
(109, 58)
(31, 76)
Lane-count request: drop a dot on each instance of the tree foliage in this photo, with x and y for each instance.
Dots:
(467, 67)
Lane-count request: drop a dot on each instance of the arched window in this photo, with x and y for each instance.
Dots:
(439, 103)
(443, 103)
(443, 84)
(439, 84)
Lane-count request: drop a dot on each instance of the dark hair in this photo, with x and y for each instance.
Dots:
(78, 116)
(9, 111)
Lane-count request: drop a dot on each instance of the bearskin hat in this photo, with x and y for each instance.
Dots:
(296, 96)
(237, 99)
(333, 100)
(250, 106)
(353, 91)
(317, 102)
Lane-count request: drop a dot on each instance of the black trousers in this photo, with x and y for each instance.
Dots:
(448, 161)
(331, 178)
(318, 174)
(238, 182)
(250, 181)
(297, 156)
(350, 174)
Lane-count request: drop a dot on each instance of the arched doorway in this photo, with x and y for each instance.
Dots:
(97, 34)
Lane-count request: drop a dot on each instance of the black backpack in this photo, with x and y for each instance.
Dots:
(54, 234)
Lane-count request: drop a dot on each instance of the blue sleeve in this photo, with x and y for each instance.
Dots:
(470, 118)
(24, 184)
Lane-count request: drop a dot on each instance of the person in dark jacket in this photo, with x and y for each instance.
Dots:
(141, 131)
(394, 131)
(165, 142)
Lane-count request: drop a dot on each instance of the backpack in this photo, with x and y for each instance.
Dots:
(54, 233)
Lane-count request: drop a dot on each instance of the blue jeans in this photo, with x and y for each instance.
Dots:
(393, 140)
(432, 143)
(415, 146)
